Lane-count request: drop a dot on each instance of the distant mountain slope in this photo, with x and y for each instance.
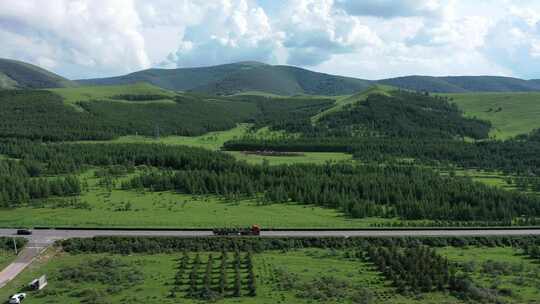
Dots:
(241, 77)
(463, 84)
(175, 79)
(249, 76)
(510, 113)
(20, 75)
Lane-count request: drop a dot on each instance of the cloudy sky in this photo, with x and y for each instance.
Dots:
(370, 39)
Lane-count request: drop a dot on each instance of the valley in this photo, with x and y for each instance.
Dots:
(351, 155)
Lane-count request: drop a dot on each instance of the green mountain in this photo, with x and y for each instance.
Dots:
(250, 76)
(20, 75)
(242, 77)
(463, 84)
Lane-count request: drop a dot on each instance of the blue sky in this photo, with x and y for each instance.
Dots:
(369, 39)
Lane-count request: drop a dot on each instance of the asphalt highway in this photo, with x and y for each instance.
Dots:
(51, 235)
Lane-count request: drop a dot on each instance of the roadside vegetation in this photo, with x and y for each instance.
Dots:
(7, 249)
(277, 270)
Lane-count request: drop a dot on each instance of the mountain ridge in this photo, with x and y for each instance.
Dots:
(240, 77)
(463, 84)
(16, 74)
(250, 76)
(290, 80)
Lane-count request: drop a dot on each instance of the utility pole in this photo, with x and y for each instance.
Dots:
(15, 246)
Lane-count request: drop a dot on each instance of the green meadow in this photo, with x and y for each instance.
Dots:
(281, 277)
(215, 140)
(88, 93)
(504, 271)
(100, 207)
(510, 113)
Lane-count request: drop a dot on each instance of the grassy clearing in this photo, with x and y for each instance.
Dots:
(510, 113)
(76, 94)
(259, 93)
(495, 179)
(214, 141)
(211, 140)
(303, 158)
(100, 208)
(169, 210)
(158, 272)
(492, 178)
(505, 270)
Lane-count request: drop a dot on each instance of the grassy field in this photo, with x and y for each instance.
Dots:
(214, 141)
(211, 140)
(118, 208)
(302, 269)
(76, 94)
(302, 158)
(101, 207)
(495, 179)
(510, 113)
(504, 270)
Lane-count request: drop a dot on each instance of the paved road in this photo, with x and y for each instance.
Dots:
(32, 250)
(41, 239)
(49, 236)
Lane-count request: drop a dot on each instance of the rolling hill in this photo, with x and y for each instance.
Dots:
(21, 75)
(463, 84)
(511, 113)
(289, 80)
(241, 77)
(250, 76)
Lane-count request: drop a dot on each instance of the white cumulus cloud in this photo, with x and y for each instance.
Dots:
(514, 42)
(229, 31)
(97, 36)
(393, 8)
(315, 31)
(364, 38)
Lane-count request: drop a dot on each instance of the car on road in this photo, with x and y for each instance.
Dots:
(17, 298)
(24, 232)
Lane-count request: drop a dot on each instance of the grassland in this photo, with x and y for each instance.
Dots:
(102, 207)
(214, 141)
(495, 179)
(503, 270)
(87, 93)
(158, 271)
(302, 158)
(510, 113)
(118, 208)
